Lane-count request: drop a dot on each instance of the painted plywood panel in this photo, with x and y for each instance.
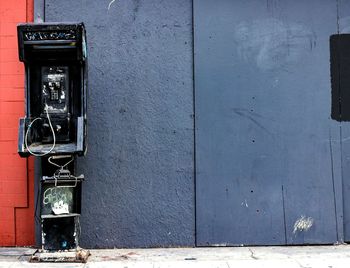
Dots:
(267, 153)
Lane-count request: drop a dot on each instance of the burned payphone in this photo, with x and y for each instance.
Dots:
(54, 126)
(55, 66)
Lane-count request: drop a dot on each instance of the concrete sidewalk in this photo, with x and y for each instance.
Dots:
(229, 257)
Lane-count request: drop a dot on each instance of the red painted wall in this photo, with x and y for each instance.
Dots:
(16, 174)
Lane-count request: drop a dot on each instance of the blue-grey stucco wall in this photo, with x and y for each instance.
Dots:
(139, 168)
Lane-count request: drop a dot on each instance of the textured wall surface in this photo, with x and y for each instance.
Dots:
(139, 167)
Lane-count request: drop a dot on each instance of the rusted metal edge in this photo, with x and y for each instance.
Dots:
(80, 255)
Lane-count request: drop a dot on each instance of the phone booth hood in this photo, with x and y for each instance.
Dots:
(55, 59)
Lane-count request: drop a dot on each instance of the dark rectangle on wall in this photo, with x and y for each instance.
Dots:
(333, 44)
(340, 76)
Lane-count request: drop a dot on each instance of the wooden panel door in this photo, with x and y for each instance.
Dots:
(267, 151)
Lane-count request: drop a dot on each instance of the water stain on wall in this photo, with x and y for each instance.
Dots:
(273, 44)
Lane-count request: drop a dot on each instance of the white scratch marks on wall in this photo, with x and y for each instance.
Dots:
(110, 3)
(245, 203)
(220, 245)
(303, 224)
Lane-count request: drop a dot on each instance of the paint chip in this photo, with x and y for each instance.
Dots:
(303, 224)
(245, 203)
(110, 3)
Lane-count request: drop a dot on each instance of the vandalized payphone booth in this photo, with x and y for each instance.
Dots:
(54, 126)
(55, 66)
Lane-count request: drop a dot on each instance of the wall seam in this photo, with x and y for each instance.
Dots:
(340, 139)
(194, 129)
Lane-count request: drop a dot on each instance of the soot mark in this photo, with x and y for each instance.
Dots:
(340, 76)
(246, 114)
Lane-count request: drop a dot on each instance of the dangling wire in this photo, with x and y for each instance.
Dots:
(52, 130)
(60, 157)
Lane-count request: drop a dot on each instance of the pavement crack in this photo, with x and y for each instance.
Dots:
(252, 254)
(302, 266)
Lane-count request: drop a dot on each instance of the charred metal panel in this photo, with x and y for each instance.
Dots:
(60, 233)
(60, 205)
